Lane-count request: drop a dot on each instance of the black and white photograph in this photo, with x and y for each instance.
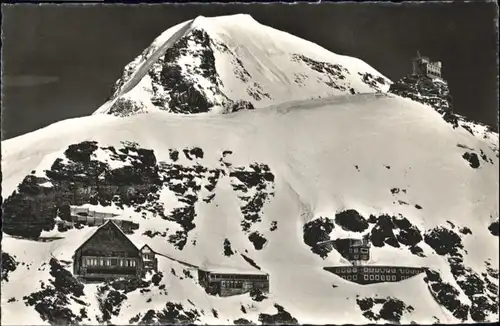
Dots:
(250, 164)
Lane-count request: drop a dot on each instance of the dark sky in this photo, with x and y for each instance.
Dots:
(61, 61)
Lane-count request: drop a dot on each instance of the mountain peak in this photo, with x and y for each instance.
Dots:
(236, 19)
(219, 64)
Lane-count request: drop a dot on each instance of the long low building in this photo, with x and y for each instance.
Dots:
(226, 282)
(374, 273)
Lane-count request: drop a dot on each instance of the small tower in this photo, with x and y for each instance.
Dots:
(359, 251)
(356, 251)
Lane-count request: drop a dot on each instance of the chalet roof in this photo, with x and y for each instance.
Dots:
(220, 269)
(111, 224)
(146, 246)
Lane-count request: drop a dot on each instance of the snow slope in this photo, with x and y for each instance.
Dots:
(209, 64)
(316, 159)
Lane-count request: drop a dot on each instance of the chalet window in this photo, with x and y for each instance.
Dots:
(365, 277)
(364, 250)
(371, 269)
(364, 257)
(101, 262)
(355, 277)
(365, 269)
(382, 277)
(343, 270)
(348, 270)
(354, 270)
(371, 277)
(393, 277)
(133, 263)
(388, 270)
(394, 270)
(356, 256)
(355, 250)
(349, 277)
(377, 277)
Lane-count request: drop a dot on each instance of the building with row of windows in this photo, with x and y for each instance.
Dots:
(229, 282)
(357, 252)
(374, 274)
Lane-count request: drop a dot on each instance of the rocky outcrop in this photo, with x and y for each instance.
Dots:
(56, 301)
(429, 91)
(316, 231)
(131, 176)
(389, 309)
(282, 317)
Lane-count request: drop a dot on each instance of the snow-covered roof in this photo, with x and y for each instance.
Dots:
(233, 270)
(102, 226)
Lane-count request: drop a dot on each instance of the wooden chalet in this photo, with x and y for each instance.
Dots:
(107, 254)
(226, 282)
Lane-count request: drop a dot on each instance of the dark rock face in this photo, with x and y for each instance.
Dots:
(372, 81)
(351, 220)
(250, 261)
(110, 302)
(494, 228)
(281, 317)
(172, 314)
(444, 241)
(446, 295)
(53, 301)
(382, 233)
(242, 321)
(124, 107)
(173, 87)
(335, 73)
(227, 248)
(408, 234)
(238, 106)
(472, 159)
(9, 264)
(80, 179)
(478, 289)
(257, 295)
(274, 226)
(387, 230)
(425, 90)
(392, 309)
(436, 94)
(318, 230)
(257, 240)
(255, 186)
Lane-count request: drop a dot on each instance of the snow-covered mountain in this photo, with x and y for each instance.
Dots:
(217, 65)
(255, 189)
